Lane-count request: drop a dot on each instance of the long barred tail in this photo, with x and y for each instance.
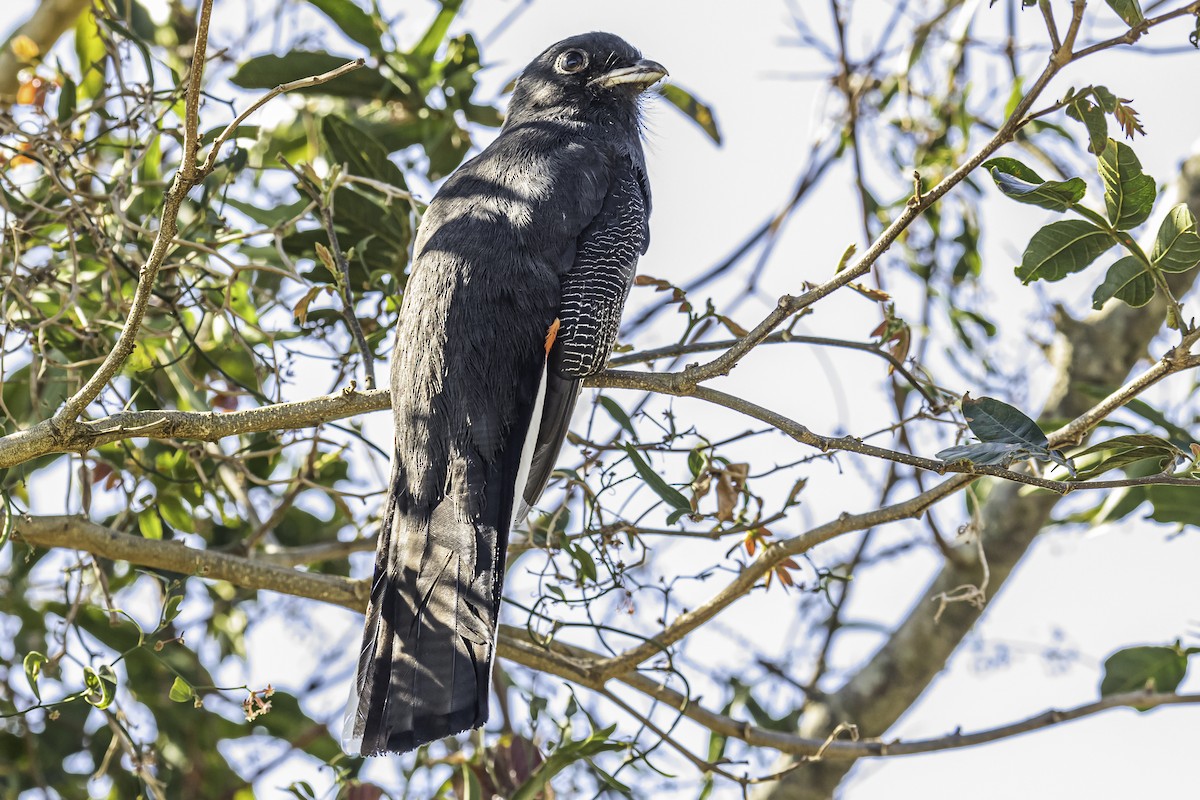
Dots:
(429, 639)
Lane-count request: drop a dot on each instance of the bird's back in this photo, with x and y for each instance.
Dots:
(484, 289)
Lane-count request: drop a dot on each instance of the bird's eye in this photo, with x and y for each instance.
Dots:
(571, 61)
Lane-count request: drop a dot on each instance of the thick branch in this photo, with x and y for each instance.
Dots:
(81, 534)
(78, 437)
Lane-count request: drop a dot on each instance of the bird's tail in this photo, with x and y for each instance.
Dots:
(430, 633)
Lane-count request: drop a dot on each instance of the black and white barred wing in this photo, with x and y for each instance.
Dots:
(589, 315)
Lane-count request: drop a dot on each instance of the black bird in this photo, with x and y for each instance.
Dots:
(521, 267)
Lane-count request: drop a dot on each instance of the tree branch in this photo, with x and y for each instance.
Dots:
(82, 534)
(208, 426)
(780, 337)
(185, 178)
(303, 83)
(568, 661)
(1134, 33)
(1099, 351)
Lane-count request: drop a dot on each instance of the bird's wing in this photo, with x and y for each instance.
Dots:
(589, 316)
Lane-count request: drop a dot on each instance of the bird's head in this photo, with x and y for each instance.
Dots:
(589, 75)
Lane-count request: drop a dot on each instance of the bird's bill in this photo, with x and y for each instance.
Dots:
(642, 74)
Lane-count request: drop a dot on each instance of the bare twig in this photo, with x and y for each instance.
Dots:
(1051, 25)
(303, 83)
(780, 337)
(1134, 33)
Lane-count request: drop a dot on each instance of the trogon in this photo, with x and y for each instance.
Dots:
(520, 270)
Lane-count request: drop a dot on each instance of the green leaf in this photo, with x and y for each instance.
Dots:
(1129, 280)
(353, 21)
(150, 524)
(303, 790)
(33, 663)
(446, 146)
(7, 511)
(1134, 669)
(181, 691)
(994, 421)
(1121, 451)
(66, 100)
(101, 686)
(1128, 192)
(269, 217)
(1107, 100)
(92, 55)
(587, 564)
(1177, 246)
(1062, 248)
(247, 132)
(698, 112)
(1092, 117)
(174, 514)
(668, 493)
(618, 414)
(566, 753)
(1128, 10)
(459, 66)
(361, 152)
(1175, 504)
(1120, 504)
(172, 608)
(1005, 434)
(269, 71)
(549, 530)
(999, 454)
(1024, 185)
(427, 47)
(1183, 437)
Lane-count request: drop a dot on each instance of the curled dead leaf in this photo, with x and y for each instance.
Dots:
(700, 489)
(731, 480)
(300, 310)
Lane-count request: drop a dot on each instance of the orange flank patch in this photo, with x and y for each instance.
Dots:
(551, 335)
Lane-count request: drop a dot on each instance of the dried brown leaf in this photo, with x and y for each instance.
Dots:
(700, 489)
(300, 310)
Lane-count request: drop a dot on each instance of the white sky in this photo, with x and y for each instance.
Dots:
(1119, 586)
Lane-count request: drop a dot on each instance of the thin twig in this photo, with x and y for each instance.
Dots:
(185, 178)
(303, 83)
(324, 201)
